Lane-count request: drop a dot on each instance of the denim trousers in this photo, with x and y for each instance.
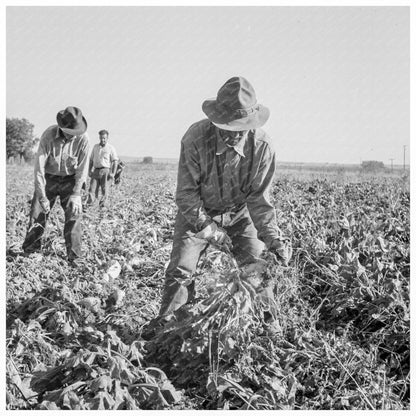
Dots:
(179, 288)
(61, 186)
(99, 180)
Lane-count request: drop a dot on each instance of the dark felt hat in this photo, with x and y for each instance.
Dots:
(71, 121)
(236, 108)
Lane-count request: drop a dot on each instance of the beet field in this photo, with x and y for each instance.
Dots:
(73, 335)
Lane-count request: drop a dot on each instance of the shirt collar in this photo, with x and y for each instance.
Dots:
(222, 147)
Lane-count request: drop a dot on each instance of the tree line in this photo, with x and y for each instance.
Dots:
(20, 141)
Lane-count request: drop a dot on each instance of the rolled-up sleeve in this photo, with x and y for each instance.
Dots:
(40, 161)
(261, 209)
(81, 172)
(114, 156)
(188, 193)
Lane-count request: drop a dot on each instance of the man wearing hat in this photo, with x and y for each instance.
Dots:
(61, 168)
(226, 169)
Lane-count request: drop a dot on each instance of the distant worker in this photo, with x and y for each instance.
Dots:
(226, 169)
(61, 168)
(120, 167)
(102, 168)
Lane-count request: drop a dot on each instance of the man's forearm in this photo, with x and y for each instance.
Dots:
(40, 184)
(81, 172)
(263, 215)
(114, 167)
(40, 181)
(188, 191)
(80, 177)
(191, 207)
(259, 204)
(78, 186)
(39, 169)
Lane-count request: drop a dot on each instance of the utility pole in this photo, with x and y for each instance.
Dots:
(404, 157)
(391, 161)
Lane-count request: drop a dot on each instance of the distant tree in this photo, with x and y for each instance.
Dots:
(19, 137)
(148, 159)
(30, 150)
(372, 165)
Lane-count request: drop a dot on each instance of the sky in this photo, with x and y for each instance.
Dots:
(336, 79)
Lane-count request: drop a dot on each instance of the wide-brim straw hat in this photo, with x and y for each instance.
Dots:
(71, 121)
(236, 108)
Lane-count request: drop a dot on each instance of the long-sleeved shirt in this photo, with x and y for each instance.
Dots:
(103, 156)
(59, 156)
(215, 178)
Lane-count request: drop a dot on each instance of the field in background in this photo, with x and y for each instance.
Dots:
(74, 335)
(313, 170)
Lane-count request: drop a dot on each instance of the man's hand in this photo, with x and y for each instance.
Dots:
(75, 204)
(216, 236)
(282, 248)
(45, 205)
(110, 176)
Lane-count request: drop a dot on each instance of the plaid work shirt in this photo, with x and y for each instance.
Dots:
(215, 178)
(61, 157)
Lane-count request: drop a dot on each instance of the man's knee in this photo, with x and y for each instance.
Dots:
(179, 274)
(248, 252)
(72, 219)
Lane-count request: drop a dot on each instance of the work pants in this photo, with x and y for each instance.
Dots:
(179, 288)
(63, 187)
(99, 180)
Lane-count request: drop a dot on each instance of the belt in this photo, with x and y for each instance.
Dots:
(229, 217)
(232, 210)
(103, 167)
(59, 177)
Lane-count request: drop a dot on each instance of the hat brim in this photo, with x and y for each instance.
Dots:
(79, 130)
(222, 120)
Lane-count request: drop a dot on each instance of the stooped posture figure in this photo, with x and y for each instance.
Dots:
(61, 167)
(102, 168)
(120, 168)
(226, 169)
